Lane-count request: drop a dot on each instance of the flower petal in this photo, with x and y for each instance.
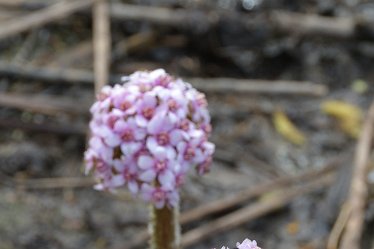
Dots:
(133, 187)
(166, 178)
(149, 100)
(155, 124)
(146, 191)
(145, 162)
(158, 151)
(176, 136)
(117, 180)
(120, 126)
(141, 121)
(129, 149)
(159, 204)
(148, 176)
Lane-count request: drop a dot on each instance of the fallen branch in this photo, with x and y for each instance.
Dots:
(351, 238)
(226, 85)
(101, 42)
(41, 17)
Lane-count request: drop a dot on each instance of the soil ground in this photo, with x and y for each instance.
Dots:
(249, 149)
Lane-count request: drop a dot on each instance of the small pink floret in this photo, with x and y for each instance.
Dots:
(246, 244)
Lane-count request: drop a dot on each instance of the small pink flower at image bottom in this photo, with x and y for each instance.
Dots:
(246, 244)
(146, 134)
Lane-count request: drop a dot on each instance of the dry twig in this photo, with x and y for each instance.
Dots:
(39, 18)
(101, 43)
(226, 85)
(337, 230)
(359, 190)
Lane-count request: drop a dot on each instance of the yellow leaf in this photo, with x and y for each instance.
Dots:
(287, 129)
(342, 110)
(349, 116)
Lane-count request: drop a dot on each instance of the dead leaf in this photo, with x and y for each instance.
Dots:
(349, 116)
(287, 129)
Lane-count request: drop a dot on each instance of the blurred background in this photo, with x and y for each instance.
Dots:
(288, 82)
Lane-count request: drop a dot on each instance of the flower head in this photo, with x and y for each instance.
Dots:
(146, 134)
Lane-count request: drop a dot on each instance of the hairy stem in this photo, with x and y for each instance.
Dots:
(164, 228)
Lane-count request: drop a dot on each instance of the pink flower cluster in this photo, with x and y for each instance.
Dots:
(146, 134)
(246, 244)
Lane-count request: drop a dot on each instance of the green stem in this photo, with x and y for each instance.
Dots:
(164, 228)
